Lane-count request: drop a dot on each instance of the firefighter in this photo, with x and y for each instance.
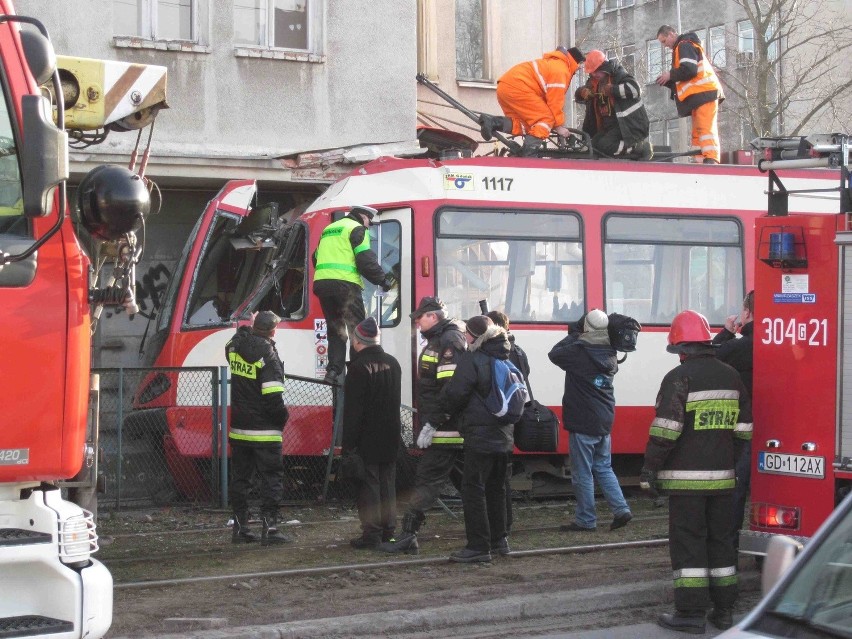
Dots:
(439, 436)
(615, 118)
(703, 414)
(258, 416)
(532, 96)
(695, 89)
(342, 259)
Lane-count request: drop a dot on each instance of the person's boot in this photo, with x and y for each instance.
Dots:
(240, 533)
(491, 123)
(722, 618)
(710, 161)
(692, 624)
(532, 146)
(644, 151)
(270, 535)
(406, 541)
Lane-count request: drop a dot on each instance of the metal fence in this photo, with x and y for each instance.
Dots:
(161, 436)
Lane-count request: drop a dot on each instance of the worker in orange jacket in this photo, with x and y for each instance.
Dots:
(695, 89)
(532, 96)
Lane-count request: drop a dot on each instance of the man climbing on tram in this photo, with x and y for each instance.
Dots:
(532, 96)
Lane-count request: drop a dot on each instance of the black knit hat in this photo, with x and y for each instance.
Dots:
(478, 324)
(574, 52)
(368, 332)
(265, 321)
(427, 304)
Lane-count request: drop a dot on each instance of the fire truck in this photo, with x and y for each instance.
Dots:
(802, 445)
(49, 583)
(542, 239)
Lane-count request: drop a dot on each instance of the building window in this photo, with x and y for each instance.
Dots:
(584, 8)
(470, 40)
(716, 47)
(612, 5)
(279, 24)
(745, 36)
(673, 134)
(156, 19)
(658, 60)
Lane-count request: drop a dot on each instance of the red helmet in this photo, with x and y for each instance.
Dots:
(688, 326)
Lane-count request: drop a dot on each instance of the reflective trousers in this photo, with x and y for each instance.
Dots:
(705, 130)
(703, 557)
(527, 110)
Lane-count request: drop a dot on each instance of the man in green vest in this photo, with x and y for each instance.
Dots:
(342, 259)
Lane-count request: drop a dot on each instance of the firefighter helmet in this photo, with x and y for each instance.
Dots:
(688, 326)
(112, 201)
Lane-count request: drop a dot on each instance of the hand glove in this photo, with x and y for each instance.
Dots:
(424, 439)
(646, 482)
(388, 283)
(583, 93)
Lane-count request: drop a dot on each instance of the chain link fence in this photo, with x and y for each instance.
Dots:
(161, 439)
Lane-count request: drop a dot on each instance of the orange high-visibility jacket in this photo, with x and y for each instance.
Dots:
(695, 80)
(532, 93)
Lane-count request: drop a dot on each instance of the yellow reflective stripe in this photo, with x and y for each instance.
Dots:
(666, 428)
(255, 438)
(714, 413)
(428, 358)
(241, 367)
(337, 267)
(447, 440)
(364, 245)
(445, 374)
(271, 387)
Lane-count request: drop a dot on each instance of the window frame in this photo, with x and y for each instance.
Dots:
(619, 4)
(744, 27)
(315, 18)
(148, 22)
(713, 34)
(605, 242)
(516, 237)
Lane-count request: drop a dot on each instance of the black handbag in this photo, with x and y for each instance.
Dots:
(538, 429)
(352, 466)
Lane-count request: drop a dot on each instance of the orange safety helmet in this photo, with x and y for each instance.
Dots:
(594, 59)
(688, 326)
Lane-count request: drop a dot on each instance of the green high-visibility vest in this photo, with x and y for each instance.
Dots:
(335, 256)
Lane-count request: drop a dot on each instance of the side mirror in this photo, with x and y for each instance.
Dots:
(780, 554)
(44, 155)
(40, 56)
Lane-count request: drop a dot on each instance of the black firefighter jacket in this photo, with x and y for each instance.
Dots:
(371, 420)
(625, 104)
(445, 343)
(464, 395)
(703, 417)
(738, 352)
(588, 402)
(258, 413)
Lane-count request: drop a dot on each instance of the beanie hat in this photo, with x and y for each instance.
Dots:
(478, 324)
(265, 321)
(368, 332)
(573, 52)
(594, 59)
(596, 320)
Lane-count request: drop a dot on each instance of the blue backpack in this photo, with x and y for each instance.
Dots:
(508, 392)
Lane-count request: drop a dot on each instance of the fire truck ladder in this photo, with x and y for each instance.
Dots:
(812, 151)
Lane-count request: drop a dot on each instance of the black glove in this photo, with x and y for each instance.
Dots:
(388, 283)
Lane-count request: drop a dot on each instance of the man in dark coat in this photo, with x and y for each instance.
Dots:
(371, 428)
(588, 411)
(487, 443)
(258, 416)
(739, 353)
(615, 114)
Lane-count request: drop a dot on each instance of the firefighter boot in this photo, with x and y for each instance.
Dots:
(240, 530)
(270, 535)
(406, 541)
(722, 618)
(491, 123)
(690, 623)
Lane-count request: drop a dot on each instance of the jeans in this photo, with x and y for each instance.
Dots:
(590, 456)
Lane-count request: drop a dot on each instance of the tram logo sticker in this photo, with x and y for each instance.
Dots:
(320, 347)
(459, 182)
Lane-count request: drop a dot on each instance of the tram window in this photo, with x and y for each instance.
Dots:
(655, 267)
(387, 234)
(527, 264)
